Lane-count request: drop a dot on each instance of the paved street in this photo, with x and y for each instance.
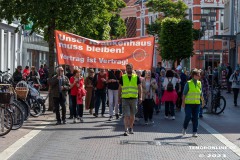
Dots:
(97, 138)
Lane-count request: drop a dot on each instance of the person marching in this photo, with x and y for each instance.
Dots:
(112, 81)
(59, 87)
(130, 90)
(192, 96)
(75, 80)
(170, 94)
(89, 99)
(149, 86)
(235, 79)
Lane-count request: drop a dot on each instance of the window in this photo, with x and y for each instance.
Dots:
(143, 27)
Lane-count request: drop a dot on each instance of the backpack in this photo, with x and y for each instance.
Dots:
(170, 85)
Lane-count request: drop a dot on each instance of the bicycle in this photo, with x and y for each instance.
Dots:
(16, 111)
(6, 119)
(218, 102)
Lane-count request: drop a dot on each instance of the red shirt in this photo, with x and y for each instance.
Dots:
(100, 83)
(74, 89)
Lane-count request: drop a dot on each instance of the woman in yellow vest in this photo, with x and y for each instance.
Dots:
(192, 94)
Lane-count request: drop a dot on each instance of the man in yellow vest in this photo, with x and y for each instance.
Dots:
(130, 91)
(192, 95)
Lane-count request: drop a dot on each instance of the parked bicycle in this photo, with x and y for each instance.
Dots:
(219, 102)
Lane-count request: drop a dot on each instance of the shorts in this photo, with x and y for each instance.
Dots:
(129, 107)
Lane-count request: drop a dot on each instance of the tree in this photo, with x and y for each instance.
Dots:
(88, 18)
(168, 8)
(176, 42)
(174, 31)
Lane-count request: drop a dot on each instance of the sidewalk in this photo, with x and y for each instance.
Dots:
(228, 122)
(98, 139)
(32, 122)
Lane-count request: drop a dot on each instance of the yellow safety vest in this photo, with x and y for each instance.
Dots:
(194, 93)
(130, 87)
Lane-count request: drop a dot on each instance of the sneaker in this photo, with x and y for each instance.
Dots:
(110, 118)
(90, 111)
(103, 115)
(146, 122)
(64, 122)
(95, 115)
(151, 121)
(117, 116)
(58, 123)
(78, 117)
(184, 132)
(166, 117)
(74, 120)
(81, 120)
(137, 119)
(130, 131)
(201, 116)
(195, 134)
(173, 118)
(71, 117)
(125, 133)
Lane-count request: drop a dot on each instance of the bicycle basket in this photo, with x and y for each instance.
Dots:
(5, 98)
(6, 92)
(21, 90)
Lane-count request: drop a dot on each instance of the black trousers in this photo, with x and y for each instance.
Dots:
(169, 107)
(235, 94)
(80, 110)
(148, 105)
(60, 101)
(74, 106)
(179, 100)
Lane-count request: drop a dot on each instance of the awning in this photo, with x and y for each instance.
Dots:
(224, 36)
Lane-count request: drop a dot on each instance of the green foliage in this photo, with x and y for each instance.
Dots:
(168, 7)
(154, 28)
(176, 42)
(89, 18)
(197, 34)
(118, 27)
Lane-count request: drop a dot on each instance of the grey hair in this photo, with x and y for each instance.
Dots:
(58, 69)
(139, 71)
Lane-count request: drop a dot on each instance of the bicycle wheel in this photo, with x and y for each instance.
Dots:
(6, 121)
(35, 107)
(24, 107)
(17, 115)
(219, 105)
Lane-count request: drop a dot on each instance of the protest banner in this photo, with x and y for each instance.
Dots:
(75, 50)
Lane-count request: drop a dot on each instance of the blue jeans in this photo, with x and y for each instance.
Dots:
(191, 113)
(100, 95)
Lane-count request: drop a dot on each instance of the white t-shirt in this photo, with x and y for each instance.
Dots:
(174, 82)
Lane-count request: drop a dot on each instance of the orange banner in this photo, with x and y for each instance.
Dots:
(115, 54)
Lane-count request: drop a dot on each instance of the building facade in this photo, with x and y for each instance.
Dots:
(232, 30)
(35, 50)
(10, 46)
(137, 16)
(208, 16)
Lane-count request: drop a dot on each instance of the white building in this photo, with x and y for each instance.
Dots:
(10, 46)
(20, 48)
(35, 50)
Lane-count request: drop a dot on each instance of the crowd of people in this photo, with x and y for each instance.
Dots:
(39, 78)
(131, 93)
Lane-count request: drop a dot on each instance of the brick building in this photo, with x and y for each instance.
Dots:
(208, 15)
(137, 15)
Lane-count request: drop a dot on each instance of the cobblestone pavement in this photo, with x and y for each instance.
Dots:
(98, 139)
